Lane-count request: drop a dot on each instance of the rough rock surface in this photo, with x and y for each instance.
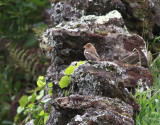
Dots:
(138, 15)
(108, 34)
(156, 28)
(123, 68)
(110, 79)
(90, 110)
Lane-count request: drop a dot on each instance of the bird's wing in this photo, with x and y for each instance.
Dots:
(90, 56)
(97, 55)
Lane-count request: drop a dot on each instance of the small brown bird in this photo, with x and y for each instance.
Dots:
(90, 52)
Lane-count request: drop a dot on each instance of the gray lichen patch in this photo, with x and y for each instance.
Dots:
(112, 14)
(137, 14)
(85, 23)
(47, 42)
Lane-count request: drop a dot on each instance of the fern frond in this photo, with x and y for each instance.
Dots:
(28, 60)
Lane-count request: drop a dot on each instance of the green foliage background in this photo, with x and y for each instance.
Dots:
(18, 16)
(19, 19)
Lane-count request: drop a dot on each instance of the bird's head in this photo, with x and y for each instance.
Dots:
(88, 45)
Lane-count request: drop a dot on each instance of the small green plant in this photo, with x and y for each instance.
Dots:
(155, 67)
(65, 80)
(150, 107)
(155, 39)
(150, 110)
(31, 107)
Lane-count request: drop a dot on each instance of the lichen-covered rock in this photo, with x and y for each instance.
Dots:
(107, 79)
(64, 43)
(110, 79)
(138, 15)
(122, 70)
(135, 76)
(90, 110)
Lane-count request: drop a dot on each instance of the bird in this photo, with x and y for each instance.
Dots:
(90, 52)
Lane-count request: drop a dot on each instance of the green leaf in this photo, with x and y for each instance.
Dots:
(65, 80)
(41, 78)
(45, 119)
(17, 85)
(16, 118)
(23, 101)
(41, 113)
(35, 114)
(41, 94)
(20, 109)
(50, 84)
(2, 3)
(31, 39)
(26, 120)
(154, 41)
(27, 111)
(30, 105)
(34, 90)
(66, 93)
(50, 92)
(5, 72)
(69, 70)
(41, 81)
(36, 121)
(81, 62)
(32, 98)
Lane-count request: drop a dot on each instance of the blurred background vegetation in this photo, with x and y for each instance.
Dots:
(21, 23)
